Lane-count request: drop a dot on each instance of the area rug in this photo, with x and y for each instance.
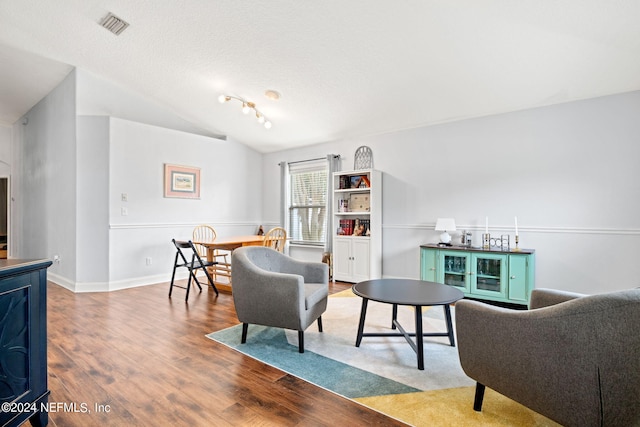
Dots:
(382, 373)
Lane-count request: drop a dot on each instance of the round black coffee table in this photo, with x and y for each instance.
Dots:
(416, 293)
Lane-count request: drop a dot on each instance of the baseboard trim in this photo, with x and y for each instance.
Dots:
(85, 287)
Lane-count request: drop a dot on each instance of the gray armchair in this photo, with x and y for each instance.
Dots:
(572, 358)
(272, 289)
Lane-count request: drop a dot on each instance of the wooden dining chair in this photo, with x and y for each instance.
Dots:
(206, 233)
(276, 239)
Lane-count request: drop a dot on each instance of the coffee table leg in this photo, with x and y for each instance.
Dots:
(419, 341)
(394, 316)
(447, 313)
(363, 314)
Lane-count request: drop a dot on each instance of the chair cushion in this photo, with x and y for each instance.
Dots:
(314, 293)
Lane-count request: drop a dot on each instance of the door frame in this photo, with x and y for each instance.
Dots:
(8, 213)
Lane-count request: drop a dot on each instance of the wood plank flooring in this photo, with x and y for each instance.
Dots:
(137, 358)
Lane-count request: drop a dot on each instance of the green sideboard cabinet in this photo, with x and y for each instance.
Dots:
(492, 275)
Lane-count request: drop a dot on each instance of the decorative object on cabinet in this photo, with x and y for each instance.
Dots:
(517, 249)
(23, 372)
(357, 216)
(445, 225)
(492, 275)
(466, 238)
(486, 237)
(181, 181)
(502, 243)
(363, 158)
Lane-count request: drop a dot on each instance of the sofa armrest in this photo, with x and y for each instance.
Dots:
(548, 297)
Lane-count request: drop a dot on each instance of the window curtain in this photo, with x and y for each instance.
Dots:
(333, 165)
(284, 198)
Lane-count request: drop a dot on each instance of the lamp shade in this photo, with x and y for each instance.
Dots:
(445, 224)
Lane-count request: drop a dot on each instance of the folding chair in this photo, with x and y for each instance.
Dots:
(196, 263)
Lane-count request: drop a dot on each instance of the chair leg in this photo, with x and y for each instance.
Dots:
(320, 324)
(173, 275)
(245, 328)
(186, 298)
(206, 272)
(195, 277)
(300, 341)
(477, 403)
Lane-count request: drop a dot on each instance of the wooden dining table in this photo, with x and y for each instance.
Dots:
(229, 244)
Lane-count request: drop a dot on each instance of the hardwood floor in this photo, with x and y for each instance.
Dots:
(137, 358)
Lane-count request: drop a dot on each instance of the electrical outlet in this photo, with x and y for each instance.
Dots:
(124, 197)
(149, 260)
(56, 259)
(124, 211)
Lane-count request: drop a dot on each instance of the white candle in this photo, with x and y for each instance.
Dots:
(516, 226)
(486, 225)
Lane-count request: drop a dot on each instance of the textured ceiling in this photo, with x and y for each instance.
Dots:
(344, 68)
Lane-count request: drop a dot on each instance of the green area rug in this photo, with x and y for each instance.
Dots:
(382, 373)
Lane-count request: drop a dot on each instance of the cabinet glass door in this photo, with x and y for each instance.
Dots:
(490, 273)
(455, 271)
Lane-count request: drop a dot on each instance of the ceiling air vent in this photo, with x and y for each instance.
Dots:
(114, 24)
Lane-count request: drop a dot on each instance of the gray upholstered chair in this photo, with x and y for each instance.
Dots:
(572, 358)
(272, 289)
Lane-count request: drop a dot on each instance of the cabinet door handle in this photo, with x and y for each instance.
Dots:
(432, 269)
(470, 273)
(513, 277)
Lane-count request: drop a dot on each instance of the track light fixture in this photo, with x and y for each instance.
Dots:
(247, 107)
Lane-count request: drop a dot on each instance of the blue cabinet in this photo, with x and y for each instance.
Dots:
(23, 342)
(503, 276)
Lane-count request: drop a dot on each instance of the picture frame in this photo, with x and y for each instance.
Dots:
(181, 181)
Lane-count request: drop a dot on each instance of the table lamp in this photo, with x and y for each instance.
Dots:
(445, 225)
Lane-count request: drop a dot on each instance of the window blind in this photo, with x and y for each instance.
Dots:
(308, 202)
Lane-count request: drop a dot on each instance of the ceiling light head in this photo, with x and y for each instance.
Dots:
(272, 94)
(246, 108)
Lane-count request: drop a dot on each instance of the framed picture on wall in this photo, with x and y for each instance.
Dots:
(181, 181)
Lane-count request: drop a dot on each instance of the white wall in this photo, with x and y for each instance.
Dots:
(5, 145)
(44, 170)
(92, 192)
(71, 171)
(568, 172)
(230, 198)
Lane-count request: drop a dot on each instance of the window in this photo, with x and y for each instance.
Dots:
(308, 203)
